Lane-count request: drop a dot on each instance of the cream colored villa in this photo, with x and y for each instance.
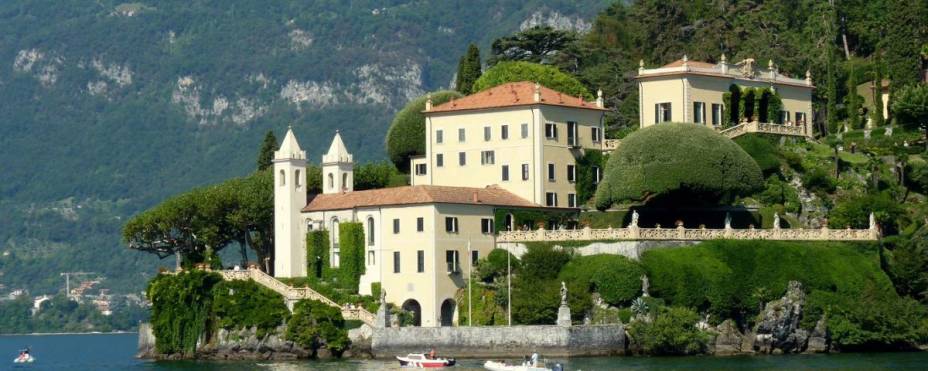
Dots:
(691, 91)
(513, 146)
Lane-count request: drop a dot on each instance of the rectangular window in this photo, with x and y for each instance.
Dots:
(370, 257)
(461, 136)
(595, 135)
(420, 224)
(487, 158)
(505, 173)
(551, 199)
(662, 113)
(451, 224)
(396, 226)
(716, 114)
(462, 158)
(487, 133)
(453, 261)
(551, 176)
(800, 117)
(572, 138)
(524, 171)
(783, 118)
(420, 261)
(486, 226)
(439, 136)
(396, 262)
(571, 200)
(597, 176)
(421, 169)
(439, 160)
(699, 112)
(504, 132)
(551, 130)
(571, 173)
(524, 131)
(474, 257)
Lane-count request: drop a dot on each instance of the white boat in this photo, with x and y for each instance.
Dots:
(419, 360)
(503, 366)
(24, 358)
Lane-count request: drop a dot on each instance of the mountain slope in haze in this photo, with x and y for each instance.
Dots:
(109, 107)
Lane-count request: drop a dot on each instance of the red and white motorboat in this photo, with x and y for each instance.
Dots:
(419, 360)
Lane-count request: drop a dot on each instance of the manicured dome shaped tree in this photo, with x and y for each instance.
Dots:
(548, 76)
(406, 135)
(676, 164)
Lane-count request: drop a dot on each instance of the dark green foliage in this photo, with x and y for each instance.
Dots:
(908, 265)
(245, 304)
(778, 192)
(334, 290)
(874, 319)
(543, 261)
(539, 44)
(762, 150)
(683, 162)
(266, 154)
(535, 300)
(673, 331)
(494, 266)
(616, 278)
(61, 313)
(406, 136)
(910, 105)
(854, 211)
(351, 256)
(488, 308)
(586, 182)
(903, 38)
(374, 175)
(315, 325)
(469, 70)
(533, 218)
(180, 309)
(317, 253)
(916, 175)
(819, 180)
(547, 76)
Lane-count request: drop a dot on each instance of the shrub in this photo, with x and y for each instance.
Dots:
(486, 308)
(406, 136)
(542, 262)
(908, 265)
(245, 304)
(819, 181)
(494, 266)
(180, 309)
(780, 192)
(916, 175)
(910, 105)
(616, 278)
(854, 211)
(315, 325)
(762, 151)
(873, 320)
(673, 331)
(678, 162)
(536, 302)
(547, 76)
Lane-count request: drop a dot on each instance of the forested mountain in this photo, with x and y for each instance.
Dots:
(107, 108)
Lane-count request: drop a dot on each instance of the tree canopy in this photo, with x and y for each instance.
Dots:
(406, 135)
(911, 107)
(539, 44)
(469, 70)
(681, 162)
(548, 76)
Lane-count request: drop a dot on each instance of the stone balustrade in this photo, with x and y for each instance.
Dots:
(610, 145)
(684, 234)
(798, 130)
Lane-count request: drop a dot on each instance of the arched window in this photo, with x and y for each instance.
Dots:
(344, 180)
(334, 258)
(370, 231)
(283, 177)
(296, 180)
(331, 181)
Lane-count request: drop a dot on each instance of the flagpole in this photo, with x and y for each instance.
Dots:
(470, 277)
(508, 286)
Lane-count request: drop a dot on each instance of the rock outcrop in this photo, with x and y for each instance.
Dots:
(777, 330)
(242, 344)
(728, 339)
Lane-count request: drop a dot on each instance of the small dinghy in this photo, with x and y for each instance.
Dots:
(503, 366)
(419, 360)
(24, 357)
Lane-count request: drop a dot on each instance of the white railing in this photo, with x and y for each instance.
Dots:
(683, 234)
(798, 130)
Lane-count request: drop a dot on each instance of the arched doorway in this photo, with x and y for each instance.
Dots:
(413, 307)
(447, 312)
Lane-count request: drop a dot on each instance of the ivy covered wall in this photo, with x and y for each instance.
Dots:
(351, 254)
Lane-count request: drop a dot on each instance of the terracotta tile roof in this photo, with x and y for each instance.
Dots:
(421, 194)
(679, 63)
(513, 94)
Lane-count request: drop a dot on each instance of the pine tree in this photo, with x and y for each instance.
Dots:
(468, 70)
(267, 150)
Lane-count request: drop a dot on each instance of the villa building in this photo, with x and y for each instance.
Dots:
(695, 92)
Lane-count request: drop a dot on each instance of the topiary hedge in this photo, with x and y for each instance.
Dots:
(351, 255)
(406, 136)
(616, 278)
(762, 150)
(679, 162)
(548, 76)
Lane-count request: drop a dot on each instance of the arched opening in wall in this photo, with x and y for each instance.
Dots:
(447, 312)
(344, 181)
(331, 181)
(333, 259)
(412, 306)
(370, 231)
(296, 180)
(508, 222)
(283, 178)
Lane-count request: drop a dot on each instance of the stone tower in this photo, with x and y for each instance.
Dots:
(289, 200)
(337, 168)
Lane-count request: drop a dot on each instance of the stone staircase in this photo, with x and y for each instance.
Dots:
(733, 132)
(293, 294)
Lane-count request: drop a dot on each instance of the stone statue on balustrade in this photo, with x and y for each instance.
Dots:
(563, 313)
(776, 220)
(382, 319)
(872, 221)
(563, 293)
(634, 223)
(727, 220)
(645, 285)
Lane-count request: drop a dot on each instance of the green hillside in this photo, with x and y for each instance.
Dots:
(109, 107)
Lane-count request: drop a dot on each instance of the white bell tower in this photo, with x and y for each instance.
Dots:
(289, 200)
(337, 168)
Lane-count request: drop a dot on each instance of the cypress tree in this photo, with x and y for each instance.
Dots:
(266, 155)
(904, 36)
(468, 70)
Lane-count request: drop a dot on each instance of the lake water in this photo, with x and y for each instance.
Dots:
(116, 352)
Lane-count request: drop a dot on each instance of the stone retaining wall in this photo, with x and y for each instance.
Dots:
(500, 341)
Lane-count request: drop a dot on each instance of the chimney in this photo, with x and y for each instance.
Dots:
(599, 98)
(428, 103)
(537, 95)
(724, 64)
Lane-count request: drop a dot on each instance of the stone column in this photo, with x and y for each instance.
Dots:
(383, 313)
(563, 313)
